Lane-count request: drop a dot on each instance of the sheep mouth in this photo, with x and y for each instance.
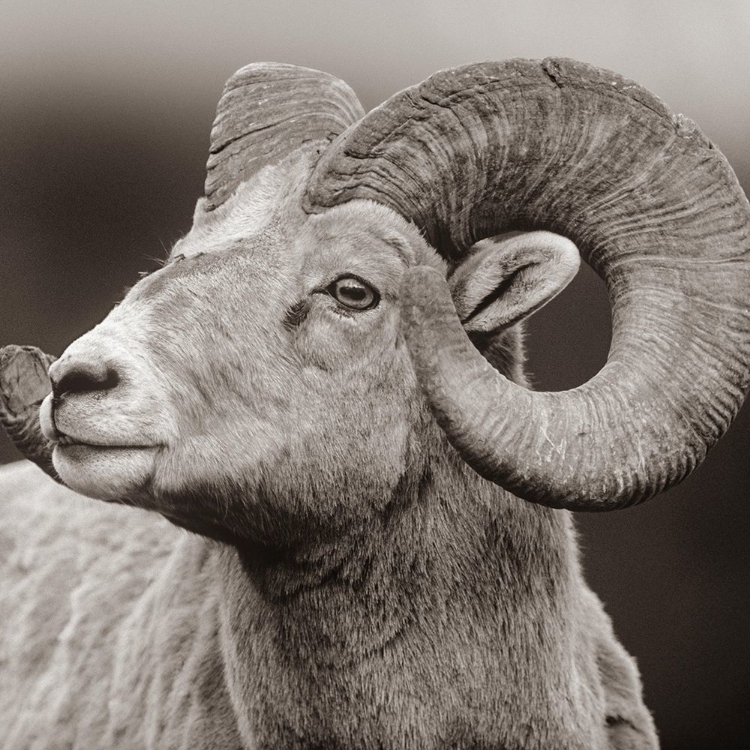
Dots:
(67, 441)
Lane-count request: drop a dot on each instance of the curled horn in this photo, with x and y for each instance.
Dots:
(267, 111)
(655, 210)
(23, 385)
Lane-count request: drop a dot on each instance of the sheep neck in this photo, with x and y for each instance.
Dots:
(335, 621)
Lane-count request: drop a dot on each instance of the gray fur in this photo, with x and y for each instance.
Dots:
(351, 582)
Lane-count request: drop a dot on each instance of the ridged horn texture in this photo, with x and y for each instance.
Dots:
(23, 385)
(267, 111)
(655, 210)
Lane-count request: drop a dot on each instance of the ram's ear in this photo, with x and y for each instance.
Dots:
(510, 276)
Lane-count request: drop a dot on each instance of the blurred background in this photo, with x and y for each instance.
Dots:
(105, 112)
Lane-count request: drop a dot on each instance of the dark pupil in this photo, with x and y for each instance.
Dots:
(352, 292)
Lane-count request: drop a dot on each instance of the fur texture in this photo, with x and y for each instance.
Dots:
(350, 582)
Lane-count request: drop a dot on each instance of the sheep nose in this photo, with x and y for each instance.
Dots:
(77, 375)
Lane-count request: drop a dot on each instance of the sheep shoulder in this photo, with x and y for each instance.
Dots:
(108, 624)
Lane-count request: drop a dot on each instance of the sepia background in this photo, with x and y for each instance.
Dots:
(105, 113)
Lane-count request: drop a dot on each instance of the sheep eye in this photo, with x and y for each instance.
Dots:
(353, 293)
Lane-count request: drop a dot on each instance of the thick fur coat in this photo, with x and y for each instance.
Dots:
(350, 582)
(124, 632)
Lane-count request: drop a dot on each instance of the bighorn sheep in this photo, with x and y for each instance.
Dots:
(297, 387)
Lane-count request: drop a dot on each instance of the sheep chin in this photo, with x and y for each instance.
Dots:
(110, 473)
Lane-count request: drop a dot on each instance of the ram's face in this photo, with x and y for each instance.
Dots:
(266, 376)
(247, 376)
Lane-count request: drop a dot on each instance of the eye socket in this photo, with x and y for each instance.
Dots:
(353, 293)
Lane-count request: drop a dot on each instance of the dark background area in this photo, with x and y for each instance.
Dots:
(104, 123)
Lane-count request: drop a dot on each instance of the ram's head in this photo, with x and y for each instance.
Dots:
(335, 284)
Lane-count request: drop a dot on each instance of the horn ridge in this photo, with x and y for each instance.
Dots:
(267, 111)
(23, 384)
(653, 207)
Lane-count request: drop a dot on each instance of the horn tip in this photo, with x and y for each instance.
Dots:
(24, 383)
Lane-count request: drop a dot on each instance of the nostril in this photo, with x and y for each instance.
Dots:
(83, 379)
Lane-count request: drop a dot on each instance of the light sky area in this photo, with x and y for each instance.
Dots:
(693, 54)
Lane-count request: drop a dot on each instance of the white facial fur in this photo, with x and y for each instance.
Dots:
(249, 401)
(237, 408)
